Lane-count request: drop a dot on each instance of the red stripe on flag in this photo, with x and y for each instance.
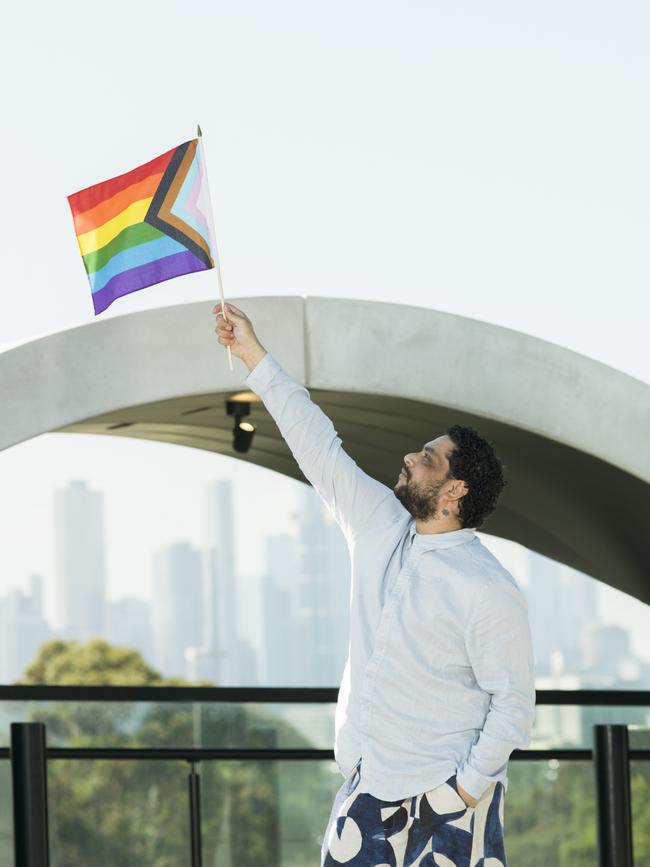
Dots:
(90, 197)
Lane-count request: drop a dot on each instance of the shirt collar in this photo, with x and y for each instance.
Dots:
(429, 541)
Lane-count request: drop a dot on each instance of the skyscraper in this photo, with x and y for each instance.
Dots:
(79, 563)
(219, 628)
(22, 630)
(278, 588)
(177, 606)
(608, 661)
(129, 625)
(322, 595)
(561, 603)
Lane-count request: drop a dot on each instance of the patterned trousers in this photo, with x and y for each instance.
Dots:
(434, 829)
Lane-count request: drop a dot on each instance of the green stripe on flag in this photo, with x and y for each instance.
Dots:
(132, 236)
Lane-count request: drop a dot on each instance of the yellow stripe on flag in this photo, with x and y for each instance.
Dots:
(102, 235)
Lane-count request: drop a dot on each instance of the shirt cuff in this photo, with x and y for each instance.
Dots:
(261, 375)
(473, 782)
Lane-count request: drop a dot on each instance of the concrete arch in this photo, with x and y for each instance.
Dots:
(572, 432)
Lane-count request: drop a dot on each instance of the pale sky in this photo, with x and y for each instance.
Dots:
(490, 160)
(485, 159)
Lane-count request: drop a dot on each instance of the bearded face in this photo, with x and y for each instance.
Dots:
(419, 499)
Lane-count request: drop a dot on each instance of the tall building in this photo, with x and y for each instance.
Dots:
(543, 591)
(245, 668)
(129, 625)
(177, 606)
(279, 660)
(278, 587)
(321, 598)
(80, 580)
(561, 604)
(608, 661)
(219, 628)
(200, 664)
(22, 630)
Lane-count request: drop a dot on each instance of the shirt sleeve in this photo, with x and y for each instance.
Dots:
(500, 649)
(349, 493)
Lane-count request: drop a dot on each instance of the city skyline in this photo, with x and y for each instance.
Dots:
(572, 649)
(287, 622)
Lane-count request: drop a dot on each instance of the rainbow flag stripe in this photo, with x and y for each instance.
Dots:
(146, 226)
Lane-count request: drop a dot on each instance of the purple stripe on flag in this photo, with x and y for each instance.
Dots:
(146, 275)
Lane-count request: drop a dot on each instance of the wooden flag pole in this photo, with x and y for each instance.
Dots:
(213, 238)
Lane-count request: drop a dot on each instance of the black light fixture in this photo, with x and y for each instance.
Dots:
(243, 431)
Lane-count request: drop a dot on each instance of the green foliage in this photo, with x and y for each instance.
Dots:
(126, 813)
(552, 819)
(550, 814)
(96, 663)
(640, 786)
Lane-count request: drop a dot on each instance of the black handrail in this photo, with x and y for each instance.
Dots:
(609, 753)
(29, 785)
(279, 694)
(194, 788)
(612, 773)
(196, 754)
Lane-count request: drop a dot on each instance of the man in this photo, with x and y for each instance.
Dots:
(438, 687)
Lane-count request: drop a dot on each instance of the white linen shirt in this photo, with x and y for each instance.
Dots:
(439, 677)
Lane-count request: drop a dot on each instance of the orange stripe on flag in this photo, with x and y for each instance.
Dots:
(102, 213)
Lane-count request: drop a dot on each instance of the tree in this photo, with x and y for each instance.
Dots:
(127, 813)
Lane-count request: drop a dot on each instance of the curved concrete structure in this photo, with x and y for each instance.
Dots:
(572, 433)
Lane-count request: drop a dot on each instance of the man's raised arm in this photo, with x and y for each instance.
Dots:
(351, 495)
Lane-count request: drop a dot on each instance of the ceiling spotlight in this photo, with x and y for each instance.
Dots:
(243, 431)
(243, 436)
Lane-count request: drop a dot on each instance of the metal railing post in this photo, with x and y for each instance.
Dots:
(194, 781)
(29, 779)
(614, 814)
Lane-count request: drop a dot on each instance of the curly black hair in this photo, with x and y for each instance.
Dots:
(474, 461)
